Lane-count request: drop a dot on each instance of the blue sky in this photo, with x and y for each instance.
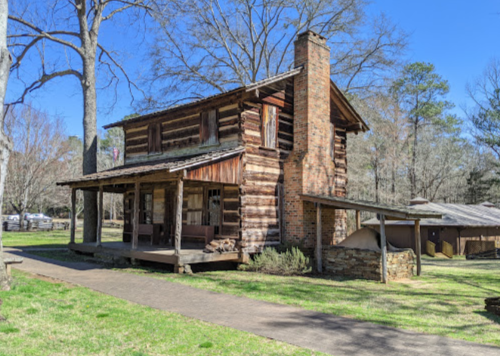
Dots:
(459, 37)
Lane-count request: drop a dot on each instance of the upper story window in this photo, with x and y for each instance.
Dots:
(269, 130)
(209, 128)
(154, 138)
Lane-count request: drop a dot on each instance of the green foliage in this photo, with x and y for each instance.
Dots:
(422, 90)
(290, 262)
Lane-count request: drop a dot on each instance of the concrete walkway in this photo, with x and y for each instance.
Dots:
(317, 331)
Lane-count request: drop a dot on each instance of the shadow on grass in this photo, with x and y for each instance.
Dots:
(488, 315)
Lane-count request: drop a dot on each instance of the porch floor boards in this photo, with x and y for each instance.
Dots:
(191, 253)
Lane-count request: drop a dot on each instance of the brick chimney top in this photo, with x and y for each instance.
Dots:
(418, 201)
(312, 36)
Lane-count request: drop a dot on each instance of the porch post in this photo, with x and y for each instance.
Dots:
(383, 246)
(178, 215)
(418, 247)
(135, 220)
(358, 219)
(319, 242)
(99, 215)
(73, 216)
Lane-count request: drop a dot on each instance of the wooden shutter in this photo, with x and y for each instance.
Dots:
(269, 126)
(158, 138)
(209, 128)
(154, 138)
(332, 141)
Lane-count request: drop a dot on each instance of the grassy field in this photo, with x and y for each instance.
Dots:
(56, 238)
(47, 318)
(447, 300)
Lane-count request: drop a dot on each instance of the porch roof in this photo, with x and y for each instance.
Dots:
(402, 213)
(170, 165)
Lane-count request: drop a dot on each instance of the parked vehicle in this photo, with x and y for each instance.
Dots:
(13, 217)
(38, 217)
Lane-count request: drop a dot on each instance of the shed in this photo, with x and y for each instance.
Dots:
(460, 223)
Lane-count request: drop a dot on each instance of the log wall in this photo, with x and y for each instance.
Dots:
(180, 135)
(262, 171)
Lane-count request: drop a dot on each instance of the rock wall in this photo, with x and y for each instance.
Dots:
(367, 264)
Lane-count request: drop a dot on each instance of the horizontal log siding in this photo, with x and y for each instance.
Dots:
(263, 173)
(181, 132)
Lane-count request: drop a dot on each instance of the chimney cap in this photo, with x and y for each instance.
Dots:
(488, 204)
(311, 33)
(418, 201)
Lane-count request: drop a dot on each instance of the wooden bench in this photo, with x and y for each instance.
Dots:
(9, 262)
(195, 232)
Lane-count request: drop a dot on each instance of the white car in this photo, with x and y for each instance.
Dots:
(13, 217)
(37, 217)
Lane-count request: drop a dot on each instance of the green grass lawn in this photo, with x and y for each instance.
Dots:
(47, 318)
(56, 238)
(447, 300)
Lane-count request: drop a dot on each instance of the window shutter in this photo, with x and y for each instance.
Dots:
(158, 138)
(269, 126)
(209, 128)
(332, 141)
(151, 142)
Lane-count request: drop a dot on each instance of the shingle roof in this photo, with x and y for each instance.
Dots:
(169, 165)
(453, 215)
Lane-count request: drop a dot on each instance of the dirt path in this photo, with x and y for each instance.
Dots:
(317, 331)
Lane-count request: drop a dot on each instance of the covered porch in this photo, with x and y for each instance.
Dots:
(384, 212)
(172, 209)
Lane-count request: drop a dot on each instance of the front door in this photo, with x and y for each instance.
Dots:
(433, 236)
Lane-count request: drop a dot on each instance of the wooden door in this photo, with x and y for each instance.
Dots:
(433, 236)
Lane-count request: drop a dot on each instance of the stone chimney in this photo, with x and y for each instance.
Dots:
(309, 169)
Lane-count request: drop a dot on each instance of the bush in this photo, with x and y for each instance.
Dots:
(290, 262)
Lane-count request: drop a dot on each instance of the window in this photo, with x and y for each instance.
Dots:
(154, 138)
(269, 126)
(195, 209)
(209, 128)
(214, 209)
(146, 209)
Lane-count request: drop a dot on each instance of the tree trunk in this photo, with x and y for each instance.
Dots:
(413, 178)
(89, 146)
(5, 144)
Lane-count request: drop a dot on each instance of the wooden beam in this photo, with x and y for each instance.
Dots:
(319, 242)
(383, 246)
(418, 247)
(73, 216)
(135, 220)
(358, 219)
(100, 215)
(178, 215)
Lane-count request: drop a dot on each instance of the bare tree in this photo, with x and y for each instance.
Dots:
(64, 34)
(5, 142)
(212, 45)
(37, 160)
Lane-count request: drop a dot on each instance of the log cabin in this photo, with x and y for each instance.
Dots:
(234, 167)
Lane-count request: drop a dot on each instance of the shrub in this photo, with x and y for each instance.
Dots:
(290, 262)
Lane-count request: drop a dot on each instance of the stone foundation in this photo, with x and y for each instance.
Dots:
(367, 264)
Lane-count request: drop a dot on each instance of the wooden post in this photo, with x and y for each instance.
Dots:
(178, 216)
(358, 219)
(99, 215)
(73, 216)
(418, 247)
(135, 220)
(319, 242)
(383, 246)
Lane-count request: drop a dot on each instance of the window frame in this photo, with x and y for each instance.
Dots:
(143, 210)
